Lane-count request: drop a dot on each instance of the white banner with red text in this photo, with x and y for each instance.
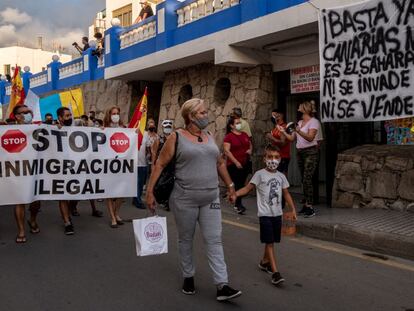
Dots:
(367, 61)
(42, 162)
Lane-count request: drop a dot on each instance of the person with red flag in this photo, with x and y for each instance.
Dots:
(17, 95)
(139, 121)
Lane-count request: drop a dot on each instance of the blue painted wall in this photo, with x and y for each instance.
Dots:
(173, 35)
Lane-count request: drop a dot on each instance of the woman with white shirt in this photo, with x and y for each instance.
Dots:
(112, 119)
(308, 150)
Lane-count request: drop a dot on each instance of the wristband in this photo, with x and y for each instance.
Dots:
(231, 185)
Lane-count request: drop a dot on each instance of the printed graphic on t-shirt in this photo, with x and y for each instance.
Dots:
(274, 191)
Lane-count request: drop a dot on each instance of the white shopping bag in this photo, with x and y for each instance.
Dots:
(151, 236)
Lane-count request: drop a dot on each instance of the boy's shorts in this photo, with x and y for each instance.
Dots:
(270, 229)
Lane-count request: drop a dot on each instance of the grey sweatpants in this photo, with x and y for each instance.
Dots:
(202, 206)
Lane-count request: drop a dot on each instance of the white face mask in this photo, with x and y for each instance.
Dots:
(272, 164)
(115, 118)
(238, 127)
(167, 130)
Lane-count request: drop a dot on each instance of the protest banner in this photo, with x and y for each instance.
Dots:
(367, 61)
(42, 162)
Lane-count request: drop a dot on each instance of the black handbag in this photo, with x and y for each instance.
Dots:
(165, 183)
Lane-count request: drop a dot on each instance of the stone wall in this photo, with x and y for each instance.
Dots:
(251, 89)
(373, 176)
(102, 94)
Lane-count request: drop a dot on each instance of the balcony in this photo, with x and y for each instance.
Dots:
(180, 34)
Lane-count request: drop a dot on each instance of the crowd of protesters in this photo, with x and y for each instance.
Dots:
(195, 197)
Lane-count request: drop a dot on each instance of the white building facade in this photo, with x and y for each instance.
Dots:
(36, 59)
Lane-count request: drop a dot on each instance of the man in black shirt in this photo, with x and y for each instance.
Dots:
(146, 11)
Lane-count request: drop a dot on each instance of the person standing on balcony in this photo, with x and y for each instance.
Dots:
(146, 11)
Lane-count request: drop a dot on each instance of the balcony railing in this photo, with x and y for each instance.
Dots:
(200, 8)
(38, 79)
(8, 90)
(138, 33)
(70, 69)
(174, 23)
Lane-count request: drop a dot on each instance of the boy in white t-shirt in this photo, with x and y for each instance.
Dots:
(270, 186)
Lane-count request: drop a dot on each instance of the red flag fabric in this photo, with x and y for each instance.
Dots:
(139, 119)
(17, 95)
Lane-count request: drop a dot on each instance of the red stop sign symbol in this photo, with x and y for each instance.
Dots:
(119, 142)
(14, 141)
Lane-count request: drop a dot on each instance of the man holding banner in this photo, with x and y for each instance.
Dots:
(24, 115)
(65, 119)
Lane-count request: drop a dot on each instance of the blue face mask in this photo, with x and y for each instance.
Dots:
(201, 123)
(28, 118)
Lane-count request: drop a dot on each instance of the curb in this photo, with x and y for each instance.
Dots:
(386, 243)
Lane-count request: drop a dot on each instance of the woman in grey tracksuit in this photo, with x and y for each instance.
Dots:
(195, 197)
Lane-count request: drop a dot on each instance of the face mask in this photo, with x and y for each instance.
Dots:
(201, 123)
(115, 118)
(238, 127)
(167, 130)
(67, 122)
(272, 164)
(50, 122)
(28, 118)
(152, 129)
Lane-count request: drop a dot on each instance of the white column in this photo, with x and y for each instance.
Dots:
(180, 14)
(209, 7)
(217, 5)
(201, 8)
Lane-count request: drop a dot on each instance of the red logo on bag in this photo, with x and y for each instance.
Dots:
(119, 142)
(14, 141)
(153, 232)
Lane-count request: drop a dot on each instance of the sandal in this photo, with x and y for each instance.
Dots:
(21, 239)
(34, 229)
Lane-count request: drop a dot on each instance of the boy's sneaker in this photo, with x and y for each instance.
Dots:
(240, 210)
(309, 212)
(303, 210)
(227, 293)
(188, 286)
(277, 278)
(265, 267)
(69, 230)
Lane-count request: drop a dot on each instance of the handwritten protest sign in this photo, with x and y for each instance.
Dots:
(72, 163)
(367, 61)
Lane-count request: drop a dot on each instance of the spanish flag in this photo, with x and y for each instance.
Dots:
(17, 95)
(139, 119)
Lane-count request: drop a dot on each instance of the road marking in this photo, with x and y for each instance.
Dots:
(324, 245)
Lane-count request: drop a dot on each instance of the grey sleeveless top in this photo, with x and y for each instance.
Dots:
(196, 164)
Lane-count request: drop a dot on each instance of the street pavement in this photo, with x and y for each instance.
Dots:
(97, 269)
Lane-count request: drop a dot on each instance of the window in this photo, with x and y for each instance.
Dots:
(186, 93)
(222, 91)
(7, 69)
(124, 14)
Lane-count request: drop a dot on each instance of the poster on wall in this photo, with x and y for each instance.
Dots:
(400, 132)
(304, 79)
(367, 61)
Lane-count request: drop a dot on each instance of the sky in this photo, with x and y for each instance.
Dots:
(58, 21)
